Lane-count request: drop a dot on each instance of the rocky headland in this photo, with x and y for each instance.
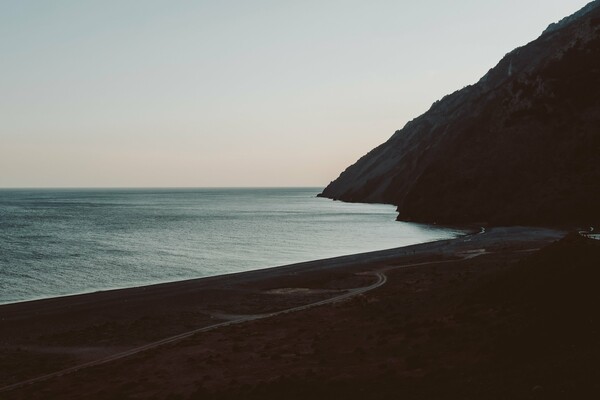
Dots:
(521, 146)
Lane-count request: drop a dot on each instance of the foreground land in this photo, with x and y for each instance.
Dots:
(483, 316)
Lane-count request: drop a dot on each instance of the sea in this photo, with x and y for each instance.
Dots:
(56, 242)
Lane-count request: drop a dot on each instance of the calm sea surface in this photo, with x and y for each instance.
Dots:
(57, 242)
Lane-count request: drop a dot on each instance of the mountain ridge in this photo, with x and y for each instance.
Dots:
(522, 145)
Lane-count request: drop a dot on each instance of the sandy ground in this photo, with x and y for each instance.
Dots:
(374, 337)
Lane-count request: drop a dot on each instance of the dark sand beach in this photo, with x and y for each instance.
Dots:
(412, 322)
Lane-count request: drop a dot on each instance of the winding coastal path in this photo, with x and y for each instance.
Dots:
(379, 274)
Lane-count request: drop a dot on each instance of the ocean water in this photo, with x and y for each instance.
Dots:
(59, 242)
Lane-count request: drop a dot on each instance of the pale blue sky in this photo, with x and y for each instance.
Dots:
(232, 93)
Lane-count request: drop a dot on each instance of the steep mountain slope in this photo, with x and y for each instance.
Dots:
(522, 145)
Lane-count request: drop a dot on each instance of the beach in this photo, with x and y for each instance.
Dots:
(231, 332)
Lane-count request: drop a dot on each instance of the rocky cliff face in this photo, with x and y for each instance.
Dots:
(521, 146)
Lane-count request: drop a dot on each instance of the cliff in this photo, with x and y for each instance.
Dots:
(521, 146)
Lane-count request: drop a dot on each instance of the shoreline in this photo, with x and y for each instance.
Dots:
(348, 261)
(336, 261)
(364, 256)
(42, 337)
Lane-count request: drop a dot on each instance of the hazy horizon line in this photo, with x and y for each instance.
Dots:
(154, 187)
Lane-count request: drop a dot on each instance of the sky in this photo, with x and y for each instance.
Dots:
(232, 93)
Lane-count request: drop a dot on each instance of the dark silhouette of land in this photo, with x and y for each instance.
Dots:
(521, 146)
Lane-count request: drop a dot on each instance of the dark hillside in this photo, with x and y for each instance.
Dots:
(521, 146)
